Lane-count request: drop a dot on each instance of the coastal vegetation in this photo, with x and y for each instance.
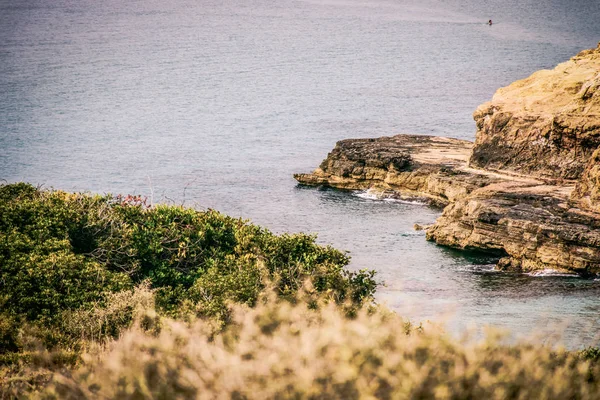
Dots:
(112, 297)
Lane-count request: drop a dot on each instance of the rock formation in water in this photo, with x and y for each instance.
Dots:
(401, 166)
(528, 190)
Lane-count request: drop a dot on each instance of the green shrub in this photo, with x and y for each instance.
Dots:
(590, 353)
(9, 334)
(64, 253)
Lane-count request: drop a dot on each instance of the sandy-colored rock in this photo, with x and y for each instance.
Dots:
(530, 224)
(528, 190)
(533, 227)
(404, 165)
(547, 125)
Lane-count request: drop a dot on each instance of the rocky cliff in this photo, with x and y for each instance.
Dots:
(530, 224)
(533, 227)
(547, 125)
(527, 190)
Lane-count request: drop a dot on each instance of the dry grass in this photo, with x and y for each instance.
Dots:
(282, 350)
(104, 321)
(31, 369)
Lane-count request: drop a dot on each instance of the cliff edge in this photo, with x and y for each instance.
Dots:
(546, 125)
(527, 190)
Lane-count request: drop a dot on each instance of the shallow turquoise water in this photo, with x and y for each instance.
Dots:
(216, 104)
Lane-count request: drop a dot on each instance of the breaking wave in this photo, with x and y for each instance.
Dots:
(376, 195)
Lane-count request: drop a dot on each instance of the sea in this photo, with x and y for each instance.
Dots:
(216, 103)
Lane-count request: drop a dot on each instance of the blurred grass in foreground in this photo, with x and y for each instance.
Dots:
(282, 349)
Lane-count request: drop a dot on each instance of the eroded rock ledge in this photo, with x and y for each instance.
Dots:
(531, 224)
(402, 166)
(528, 189)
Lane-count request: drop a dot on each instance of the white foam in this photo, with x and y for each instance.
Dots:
(551, 272)
(486, 268)
(413, 233)
(371, 194)
(417, 202)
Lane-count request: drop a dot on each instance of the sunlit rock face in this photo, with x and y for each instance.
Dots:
(547, 125)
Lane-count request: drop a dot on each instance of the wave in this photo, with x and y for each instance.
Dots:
(412, 233)
(478, 268)
(551, 272)
(376, 195)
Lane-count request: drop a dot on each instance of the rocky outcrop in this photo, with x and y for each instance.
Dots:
(412, 166)
(533, 227)
(547, 125)
(528, 223)
(528, 190)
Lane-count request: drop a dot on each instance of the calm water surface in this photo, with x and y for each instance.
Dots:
(217, 103)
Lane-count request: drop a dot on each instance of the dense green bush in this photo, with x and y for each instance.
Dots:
(63, 252)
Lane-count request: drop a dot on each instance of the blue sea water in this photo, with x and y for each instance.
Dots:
(215, 104)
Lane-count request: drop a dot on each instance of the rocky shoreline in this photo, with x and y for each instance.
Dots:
(527, 190)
